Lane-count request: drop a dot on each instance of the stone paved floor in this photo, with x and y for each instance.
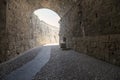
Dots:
(70, 65)
(62, 65)
(17, 62)
(29, 70)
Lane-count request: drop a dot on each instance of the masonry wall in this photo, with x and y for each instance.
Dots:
(93, 27)
(43, 33)
(2, 30)
(16, 34)
(90, 26)
(17, 27)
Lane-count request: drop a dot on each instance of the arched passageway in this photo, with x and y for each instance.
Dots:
(91, 27)
(19, 34)
(45, 27)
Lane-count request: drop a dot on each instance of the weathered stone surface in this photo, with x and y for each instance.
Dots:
(17, 27)
(92, 27)
(3, 45)
(43, 33)
(89, 26)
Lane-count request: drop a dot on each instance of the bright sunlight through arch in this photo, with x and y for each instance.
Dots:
(48, 16)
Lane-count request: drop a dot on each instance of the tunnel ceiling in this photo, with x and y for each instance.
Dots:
(59, 6)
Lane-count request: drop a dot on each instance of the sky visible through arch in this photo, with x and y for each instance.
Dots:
(48, 16)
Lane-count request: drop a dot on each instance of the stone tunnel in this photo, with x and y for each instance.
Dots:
(89, 26)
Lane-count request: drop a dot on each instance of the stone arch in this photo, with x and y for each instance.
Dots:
(15, 35)
(44, 31)
(17, 28)
(59, 6)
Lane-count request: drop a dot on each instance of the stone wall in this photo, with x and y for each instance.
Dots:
(90, 26)
(42, 32)
(18, 33)
(3, 44)
(93, 27)
(17, 27)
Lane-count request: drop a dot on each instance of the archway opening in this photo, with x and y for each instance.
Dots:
(49, 16)
(45, 26)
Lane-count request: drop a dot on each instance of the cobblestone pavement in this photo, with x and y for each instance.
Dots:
(17, 62)
(52, 63)
(70, 65)
(29, 70)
